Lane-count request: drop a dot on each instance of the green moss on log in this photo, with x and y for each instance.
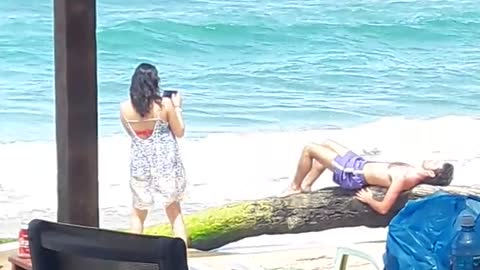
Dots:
(7, 240)
(324, 209)
(227, 222)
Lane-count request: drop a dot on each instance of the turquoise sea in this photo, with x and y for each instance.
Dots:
(400, 79)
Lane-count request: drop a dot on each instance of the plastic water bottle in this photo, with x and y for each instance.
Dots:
(465, 252)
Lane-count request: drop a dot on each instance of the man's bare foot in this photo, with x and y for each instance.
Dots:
(306, 189)
(290, 191)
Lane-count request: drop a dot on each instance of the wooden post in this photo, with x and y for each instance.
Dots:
(76, 111)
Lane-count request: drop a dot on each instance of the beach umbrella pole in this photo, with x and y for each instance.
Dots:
(76, 111)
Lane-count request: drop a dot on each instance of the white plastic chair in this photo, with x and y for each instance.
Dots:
(343, 253)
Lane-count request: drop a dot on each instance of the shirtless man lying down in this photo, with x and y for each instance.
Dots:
(351, 171)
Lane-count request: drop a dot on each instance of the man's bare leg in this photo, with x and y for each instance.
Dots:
(323, 155)
(318, 168)
(313, 175)
(336, 147)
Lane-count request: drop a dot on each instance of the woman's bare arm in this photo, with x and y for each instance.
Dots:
(125, 125)
(175, 118)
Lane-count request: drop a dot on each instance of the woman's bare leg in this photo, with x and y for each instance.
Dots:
(175, 216)
(138, 220)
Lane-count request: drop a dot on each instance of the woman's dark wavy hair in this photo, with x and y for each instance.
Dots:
(144, 88)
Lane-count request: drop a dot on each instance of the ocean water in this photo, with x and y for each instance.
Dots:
(396, 80)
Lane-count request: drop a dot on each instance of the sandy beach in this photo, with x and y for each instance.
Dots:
(308, 251)
(303, 258)
(314, 250)
(314, 258)
(7, 250)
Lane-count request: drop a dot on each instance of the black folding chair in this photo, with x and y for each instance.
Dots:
(57, 246)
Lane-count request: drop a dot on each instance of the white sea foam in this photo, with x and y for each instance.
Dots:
(229, 167)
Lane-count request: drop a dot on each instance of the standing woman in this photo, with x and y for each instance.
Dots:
(156, 168)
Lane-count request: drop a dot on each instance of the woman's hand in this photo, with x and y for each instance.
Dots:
(175, 118)
(177, 100)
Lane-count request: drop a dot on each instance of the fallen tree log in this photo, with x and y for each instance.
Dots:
(317, 211)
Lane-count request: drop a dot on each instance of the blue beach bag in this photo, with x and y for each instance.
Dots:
(419, 236)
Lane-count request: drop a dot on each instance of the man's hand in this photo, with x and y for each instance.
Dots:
(382, 207)
(364, 195)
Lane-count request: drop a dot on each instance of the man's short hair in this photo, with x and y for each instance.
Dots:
(443, 176)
